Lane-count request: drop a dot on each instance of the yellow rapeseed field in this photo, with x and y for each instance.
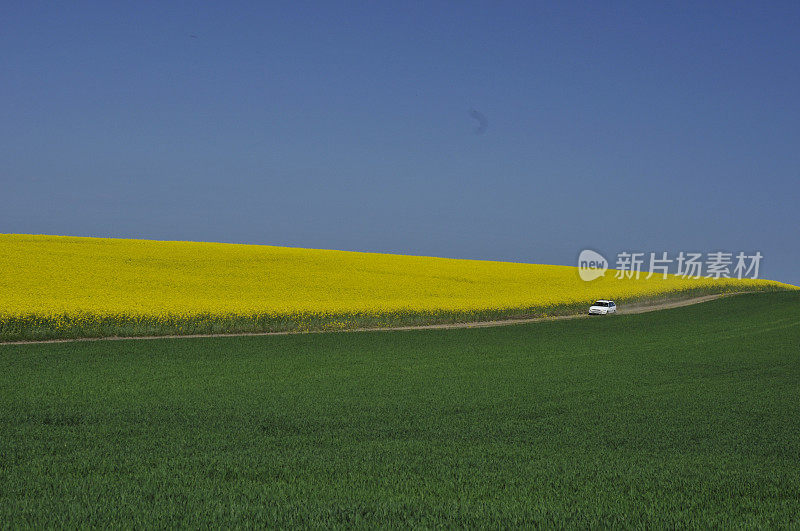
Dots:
(56, 279)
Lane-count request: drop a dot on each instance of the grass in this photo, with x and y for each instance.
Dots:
(684, 417)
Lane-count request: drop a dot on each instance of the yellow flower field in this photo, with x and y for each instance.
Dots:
(59, 281)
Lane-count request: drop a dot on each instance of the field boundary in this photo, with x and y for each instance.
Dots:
(631, 309)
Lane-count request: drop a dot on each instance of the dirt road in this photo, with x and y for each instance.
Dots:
(627, 309)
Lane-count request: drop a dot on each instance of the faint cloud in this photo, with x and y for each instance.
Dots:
(483, 123)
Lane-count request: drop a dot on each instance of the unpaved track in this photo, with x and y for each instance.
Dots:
(632, 309)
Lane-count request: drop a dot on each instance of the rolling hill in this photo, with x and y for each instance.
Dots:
(55, 286)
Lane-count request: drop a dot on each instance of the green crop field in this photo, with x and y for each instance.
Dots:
(680, 417)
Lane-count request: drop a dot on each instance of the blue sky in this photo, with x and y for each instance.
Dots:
(612, 126)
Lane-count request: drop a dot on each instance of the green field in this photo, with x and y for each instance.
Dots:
(688, 416)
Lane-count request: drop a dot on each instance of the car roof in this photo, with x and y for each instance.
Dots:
(604, 300)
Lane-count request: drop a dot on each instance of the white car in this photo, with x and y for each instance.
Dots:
(603, 307)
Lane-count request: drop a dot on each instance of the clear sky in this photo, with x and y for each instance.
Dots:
(344, 125)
